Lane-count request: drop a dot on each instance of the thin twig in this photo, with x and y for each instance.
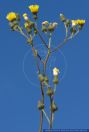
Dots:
(64, 42)
(59, 46)
(43, 41)
(22, 33)
(39, 56)
(41, 121)
(36, 60)
(54, 88)
(48, 54)
(46, 116)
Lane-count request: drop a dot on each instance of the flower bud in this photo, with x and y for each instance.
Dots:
(62, 17)
(55, 71)
(49, 91)
(25, 16)
(67, 23)
(51, 27)
(44, 28)
(41, 77)
(14, 25)
(27, 27)
(45, 23)
(46, 79)
(40, 105)
(74, 23)
(30, 40)
(55, 24)
(31, 24)
(55, 80)
(54, 107)
(35, 53)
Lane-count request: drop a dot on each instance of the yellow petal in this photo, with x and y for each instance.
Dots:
(11, 16)
(34, 8)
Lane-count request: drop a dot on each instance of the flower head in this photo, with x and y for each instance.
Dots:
(81, 22)
(25, 16)
(56, 71)
(52, 26)
(62, 17)
(34, 8)
(45, 23)
(55, 24)
(78, 22)
(74, 22)
(11, 16)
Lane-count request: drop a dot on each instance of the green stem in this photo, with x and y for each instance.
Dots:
(54, 88)
(41, 113)
(41, 121)
(59, 46)
(36, 60)
(51, 113)
(22, 33)
(48, 54)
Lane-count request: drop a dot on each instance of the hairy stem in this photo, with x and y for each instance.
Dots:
(41, 113)
(51, 113)
(41, 121)
(38, 68)
(48, 54)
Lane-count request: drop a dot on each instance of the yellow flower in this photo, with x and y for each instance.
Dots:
(56, 71)
(11, 16)
(34, 8)
(81, 22)
(78, 22)
(74, 22)
(25, 16)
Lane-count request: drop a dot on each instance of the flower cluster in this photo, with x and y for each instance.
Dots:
(73, 25)
(14, 22)
(48, 27)
(50, 91)
(13, 19)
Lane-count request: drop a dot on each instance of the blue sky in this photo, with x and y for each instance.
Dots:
(18, 94)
